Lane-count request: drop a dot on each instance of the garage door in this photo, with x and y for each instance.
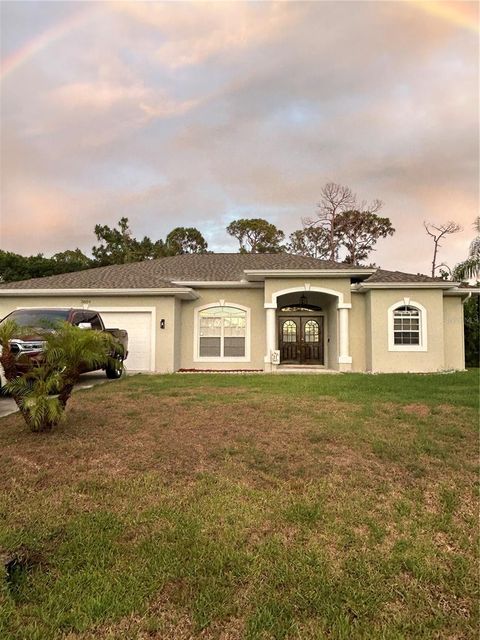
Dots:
(139, 327)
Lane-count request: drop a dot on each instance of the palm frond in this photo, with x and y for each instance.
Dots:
(467, 269)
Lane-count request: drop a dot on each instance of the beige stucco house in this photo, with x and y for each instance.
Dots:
(266, 312)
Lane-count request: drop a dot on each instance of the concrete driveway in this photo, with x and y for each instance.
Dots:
(87, 380)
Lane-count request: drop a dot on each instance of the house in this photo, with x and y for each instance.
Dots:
(263, 312)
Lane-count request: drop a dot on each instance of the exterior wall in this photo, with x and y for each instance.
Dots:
(387, 361)
(251, 298)
(341, 285)
(368, 324)
(164, 307)
(358, 332)
(454, 341)
(165, 338)
(177, 337)
(332, 334)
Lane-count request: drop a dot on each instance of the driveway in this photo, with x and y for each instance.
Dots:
(87, 380)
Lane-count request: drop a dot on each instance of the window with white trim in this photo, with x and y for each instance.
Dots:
(407, 326)
(222, 332)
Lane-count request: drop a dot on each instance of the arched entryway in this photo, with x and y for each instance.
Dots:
(291, 337)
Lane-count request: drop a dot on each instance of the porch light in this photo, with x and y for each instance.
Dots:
(303, 300)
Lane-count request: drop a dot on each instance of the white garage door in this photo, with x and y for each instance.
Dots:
(139, 327)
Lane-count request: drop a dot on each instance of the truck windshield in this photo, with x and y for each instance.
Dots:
(40, 318)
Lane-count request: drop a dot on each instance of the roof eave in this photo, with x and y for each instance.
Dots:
(258, 275)
(364, 286)
(218, 284)
(463, 291)
(183, 293)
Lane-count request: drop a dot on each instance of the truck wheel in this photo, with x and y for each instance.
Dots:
(115, 371)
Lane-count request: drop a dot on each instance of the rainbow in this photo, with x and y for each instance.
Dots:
(461, 14)
(40, 42)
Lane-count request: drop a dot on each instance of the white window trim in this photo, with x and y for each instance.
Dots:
(423, 327)
(196, 333)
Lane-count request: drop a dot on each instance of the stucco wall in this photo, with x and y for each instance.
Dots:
(274, 285)
(251, 298)
(358, 332)
(387, 361)
(177, 337)
(453, 335)
(174, 345)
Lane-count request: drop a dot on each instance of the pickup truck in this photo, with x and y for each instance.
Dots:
(29, 347)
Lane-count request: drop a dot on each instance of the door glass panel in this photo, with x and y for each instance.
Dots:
(311, 331)
(289, 331)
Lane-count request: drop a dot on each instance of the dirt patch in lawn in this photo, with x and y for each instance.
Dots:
(419, 410)
(175, 435)
(116, 434)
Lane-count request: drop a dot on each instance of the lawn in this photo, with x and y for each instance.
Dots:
(246, 507)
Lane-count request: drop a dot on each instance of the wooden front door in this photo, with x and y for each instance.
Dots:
(301, 339)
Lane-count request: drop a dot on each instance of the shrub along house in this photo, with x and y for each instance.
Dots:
(263, 312)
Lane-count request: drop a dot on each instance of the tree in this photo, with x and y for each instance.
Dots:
(118, 246)
(310, 241)
(72, 260)
(67, 351)
(335, 200)
(437, 232)
(359, 231)
(471, 314)
(185, 240)
(256, 235)
(16, 267)
(470, 268)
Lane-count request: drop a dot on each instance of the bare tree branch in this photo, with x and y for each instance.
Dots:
(437, 232)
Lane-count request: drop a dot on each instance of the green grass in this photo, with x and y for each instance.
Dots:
(246, 507)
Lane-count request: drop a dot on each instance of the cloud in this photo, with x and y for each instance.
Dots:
(195, 32)
(179, 113)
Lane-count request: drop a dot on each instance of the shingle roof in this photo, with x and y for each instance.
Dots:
(153, 274)
(381, 275)
(160, 273)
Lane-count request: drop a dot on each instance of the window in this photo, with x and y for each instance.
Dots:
(289, 331)
(407, 327)
(311, 331)
(38, 318)
(94, 320)
(222, 333)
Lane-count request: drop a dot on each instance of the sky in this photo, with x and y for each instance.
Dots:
(196, 114)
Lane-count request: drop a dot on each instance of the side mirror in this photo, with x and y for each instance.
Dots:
(84, 325)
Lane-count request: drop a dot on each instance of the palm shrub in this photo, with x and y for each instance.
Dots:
(68, 352)
(470, 268)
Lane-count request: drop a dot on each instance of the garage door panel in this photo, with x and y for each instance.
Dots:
(139, 327)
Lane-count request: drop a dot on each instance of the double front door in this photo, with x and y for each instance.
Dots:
(301, 339)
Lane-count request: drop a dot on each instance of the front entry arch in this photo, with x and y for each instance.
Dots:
(333, 327)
